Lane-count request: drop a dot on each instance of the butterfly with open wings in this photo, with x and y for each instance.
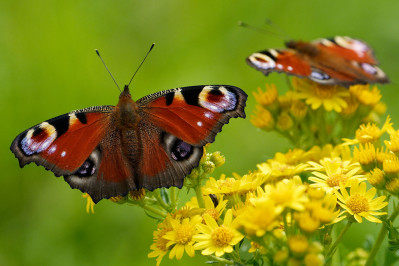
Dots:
(150, 143)
(337, 61)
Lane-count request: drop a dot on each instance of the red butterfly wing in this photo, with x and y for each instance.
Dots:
(194, 114)
(63, 143)
(165, 159)
(287, 60)
(175, 126)
(348, 48)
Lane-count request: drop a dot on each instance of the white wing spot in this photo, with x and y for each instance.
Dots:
(63, 154)
(199, 123)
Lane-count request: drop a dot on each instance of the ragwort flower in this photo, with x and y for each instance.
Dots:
(215, 239)
(331, 97)
(361, 203)
(181, 236)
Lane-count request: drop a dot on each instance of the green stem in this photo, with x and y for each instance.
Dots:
(173, 198)
(339, 238)
(154, 210)
(380, 238)
(221, 260)
(161, 201)
(198, 194)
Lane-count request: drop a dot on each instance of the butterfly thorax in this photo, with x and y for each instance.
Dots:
(303, 47)
(126, 111)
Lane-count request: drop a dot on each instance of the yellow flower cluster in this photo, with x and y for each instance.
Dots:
(275, 211)
(193, 228)
(311, 113)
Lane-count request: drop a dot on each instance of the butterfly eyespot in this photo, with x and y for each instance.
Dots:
(88, 168)
(319, 76)
(38, 139)
(263, 61)
(369, 68)
(217, 99)
(181, 150)
(352, 44)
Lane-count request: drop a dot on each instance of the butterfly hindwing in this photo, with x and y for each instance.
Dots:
(165, 159)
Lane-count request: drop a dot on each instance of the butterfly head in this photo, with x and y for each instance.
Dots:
(127, 110)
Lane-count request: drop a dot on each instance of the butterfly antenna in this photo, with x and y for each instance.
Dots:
(279, 29)
(98, 53)
(152, 46)
(278, 35)
(261, 30)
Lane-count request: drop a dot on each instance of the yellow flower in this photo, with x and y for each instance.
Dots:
(392, 186)
(298, 110)
(218, 159)
(369, 133)
(335, 175)
(298, 244)
(217, 239)
(276, 171)
(383, 154)
(89, 204)
(287, 99)
(254, 221)
(255, 246)
(391, 167)
(352, 106)
(317, 153)
(262, 119)
(281, 256)
(312, 259)
(292, 157)
(237, 185)
(344, 165)
(284, 121)
(366, 155)
(364, 95)
(267, 97)
(210, 208)
(376, 178)
(181, 236)
(331, 97)
(159, 248)
(324, 210)
(360, 203)
(285, 194)
(306, 222)
(393, 143)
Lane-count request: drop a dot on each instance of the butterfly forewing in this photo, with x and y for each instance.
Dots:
(63, 143)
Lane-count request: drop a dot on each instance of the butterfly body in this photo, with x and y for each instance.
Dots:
(150, 143)
(340, 60)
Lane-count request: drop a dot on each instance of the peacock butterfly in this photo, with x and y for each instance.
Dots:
(150, 143)
(340, 60)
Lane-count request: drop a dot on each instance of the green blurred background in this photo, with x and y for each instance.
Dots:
(48, 67)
